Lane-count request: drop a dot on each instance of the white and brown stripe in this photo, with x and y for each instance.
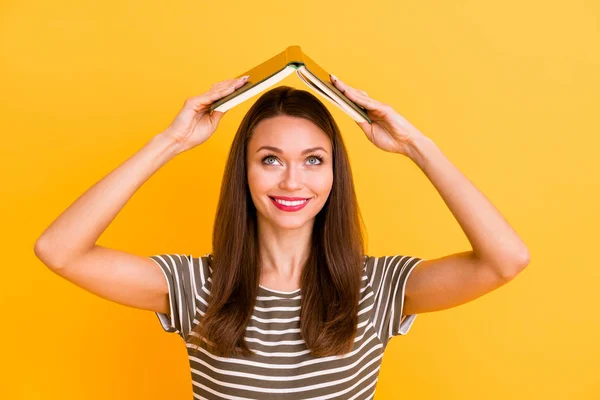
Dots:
(282, 366)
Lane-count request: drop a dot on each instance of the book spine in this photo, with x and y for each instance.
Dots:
(293, 54)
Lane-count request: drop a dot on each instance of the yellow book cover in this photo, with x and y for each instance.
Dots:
(281, 65)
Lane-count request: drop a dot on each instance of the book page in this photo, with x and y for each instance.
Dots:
(256, 89)
(309, 83)
(331, 96)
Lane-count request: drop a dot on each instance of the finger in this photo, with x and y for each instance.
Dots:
(230, 81)
(358, 96)
(235, 81)
(366, 127)
(338, 84)
(360, 99)
(217, 92)
(216, 116)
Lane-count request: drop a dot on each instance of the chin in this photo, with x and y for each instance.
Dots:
(289, 223)
(284, 222)
(292, 226)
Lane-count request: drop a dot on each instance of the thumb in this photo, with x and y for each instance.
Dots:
(216, 116)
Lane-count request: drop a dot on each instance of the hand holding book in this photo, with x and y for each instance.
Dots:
(388, 130)
(273, 70)
(195, 124)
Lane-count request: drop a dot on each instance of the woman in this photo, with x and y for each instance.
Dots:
(296, 308)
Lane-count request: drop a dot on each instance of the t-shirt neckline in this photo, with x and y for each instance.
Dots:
(280, 292)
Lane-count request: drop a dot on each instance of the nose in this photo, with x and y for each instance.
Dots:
(291, 179)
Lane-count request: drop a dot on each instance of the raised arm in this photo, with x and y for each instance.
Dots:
(68, 246)
(498, 253)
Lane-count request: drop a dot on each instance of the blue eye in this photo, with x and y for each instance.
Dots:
(314, 156)
(318, 158)
(267, 158)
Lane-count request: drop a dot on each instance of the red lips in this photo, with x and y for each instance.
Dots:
(283, 207)
(289, 198)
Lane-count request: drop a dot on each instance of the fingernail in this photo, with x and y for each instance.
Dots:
(334, 77)
(244, 77)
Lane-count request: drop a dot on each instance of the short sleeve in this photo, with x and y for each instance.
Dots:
(185, 278)
(387, 277)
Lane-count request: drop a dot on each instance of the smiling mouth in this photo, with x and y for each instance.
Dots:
(286, 205)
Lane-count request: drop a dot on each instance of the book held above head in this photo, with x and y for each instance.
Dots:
(280, 66)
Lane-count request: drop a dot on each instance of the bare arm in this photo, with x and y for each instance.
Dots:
(78, 228)
(68, 246)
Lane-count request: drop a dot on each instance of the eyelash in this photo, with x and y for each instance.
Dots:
(317, 156)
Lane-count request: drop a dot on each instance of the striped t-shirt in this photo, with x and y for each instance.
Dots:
(282, 366)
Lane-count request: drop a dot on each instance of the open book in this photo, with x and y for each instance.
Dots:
(278, 67)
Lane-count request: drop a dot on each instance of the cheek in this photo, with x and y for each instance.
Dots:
(259, 181)
(322, 183)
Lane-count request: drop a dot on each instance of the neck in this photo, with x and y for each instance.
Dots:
(283, 252)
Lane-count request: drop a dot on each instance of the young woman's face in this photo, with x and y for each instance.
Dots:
(283, 161)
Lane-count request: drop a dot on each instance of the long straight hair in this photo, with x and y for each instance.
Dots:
(331, 278)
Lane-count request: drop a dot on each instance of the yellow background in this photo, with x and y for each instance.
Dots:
(509, 90)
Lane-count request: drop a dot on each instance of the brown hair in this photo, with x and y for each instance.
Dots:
(331, 278)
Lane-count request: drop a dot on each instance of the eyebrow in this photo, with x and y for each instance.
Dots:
(278, 150)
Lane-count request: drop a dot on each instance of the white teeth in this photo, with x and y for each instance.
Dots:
(291, 203)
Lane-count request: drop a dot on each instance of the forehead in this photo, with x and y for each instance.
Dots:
(288, 133)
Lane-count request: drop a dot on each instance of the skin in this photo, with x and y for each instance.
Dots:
(68, 246)
(285, 237)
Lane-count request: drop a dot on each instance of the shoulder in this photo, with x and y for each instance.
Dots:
(369, 264)
(183, 268)
(200, 271)
(385, 268)
(202, 264)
